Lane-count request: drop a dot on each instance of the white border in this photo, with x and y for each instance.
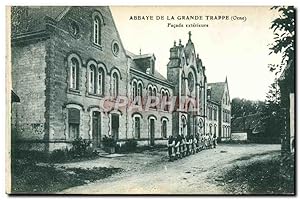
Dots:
(109, 2)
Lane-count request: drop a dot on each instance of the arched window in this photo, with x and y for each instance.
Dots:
(115, 84)
(154, 92)
(162, 94)
(164, 129)
(101, 80)
(150, 91)
(137, 127)
(199, 127)
(168, 98)
(191, 81)
(140, 90)
(134, 90)
(154, 97)
(183, 86)
(74, 122)
(97, 30)
(92, 79)
(215, 114)
(74, 74)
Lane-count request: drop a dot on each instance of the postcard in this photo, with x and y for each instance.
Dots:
(150, 100)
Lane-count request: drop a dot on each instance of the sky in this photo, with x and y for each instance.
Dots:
(237, 49)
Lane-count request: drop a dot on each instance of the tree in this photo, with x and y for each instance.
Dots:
(273, 95)
(284, 36)
(244, 107)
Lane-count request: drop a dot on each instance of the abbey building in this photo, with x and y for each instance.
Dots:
(75, 79)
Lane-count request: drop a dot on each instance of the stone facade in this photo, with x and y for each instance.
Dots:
(69, 66)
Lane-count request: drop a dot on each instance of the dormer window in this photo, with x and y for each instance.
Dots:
(208, 93)
(148, 70)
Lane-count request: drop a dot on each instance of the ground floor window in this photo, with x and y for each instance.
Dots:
(137, 127)
(74, 122)
(73, 131)
(164, 129)
(152, 131)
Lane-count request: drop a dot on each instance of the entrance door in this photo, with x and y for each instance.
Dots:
(152, 127)
(96, 129)
(115, 126)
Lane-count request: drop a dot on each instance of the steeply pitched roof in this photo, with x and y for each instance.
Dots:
(217, 90)
(32, 18)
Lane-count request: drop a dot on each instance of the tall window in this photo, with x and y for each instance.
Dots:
(115, 84)
(101, 79)
(215, 114)
(183, 86)
(164, 129)
(183, 125)
(92, 78)
(154, 94)
(134, 90)
(191, 81)
(74, 122)
(137, 127)
(140, 90)
(150, 92)
(97, 30)
(74, 70)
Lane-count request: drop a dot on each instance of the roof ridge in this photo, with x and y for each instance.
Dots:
(63, 13)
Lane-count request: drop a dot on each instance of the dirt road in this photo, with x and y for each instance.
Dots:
(151, 173)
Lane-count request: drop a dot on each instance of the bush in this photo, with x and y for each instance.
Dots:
(79, 147)
(108, 142)
(59, 155)
(30, 155)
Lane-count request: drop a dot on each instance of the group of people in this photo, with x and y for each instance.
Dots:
(181, 146)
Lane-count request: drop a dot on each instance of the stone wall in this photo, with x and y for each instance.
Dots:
(63, 45)
(28, 82)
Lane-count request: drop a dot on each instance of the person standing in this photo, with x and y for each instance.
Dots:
(215, 140)
(171, 148)
(177, 146)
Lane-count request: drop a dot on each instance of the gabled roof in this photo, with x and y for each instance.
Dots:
(32, 18)
(217, 91)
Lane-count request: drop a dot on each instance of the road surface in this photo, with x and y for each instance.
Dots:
(151, 173)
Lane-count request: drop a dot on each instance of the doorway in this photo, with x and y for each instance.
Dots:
(96, 129)
(115, 126)
(152, 129)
